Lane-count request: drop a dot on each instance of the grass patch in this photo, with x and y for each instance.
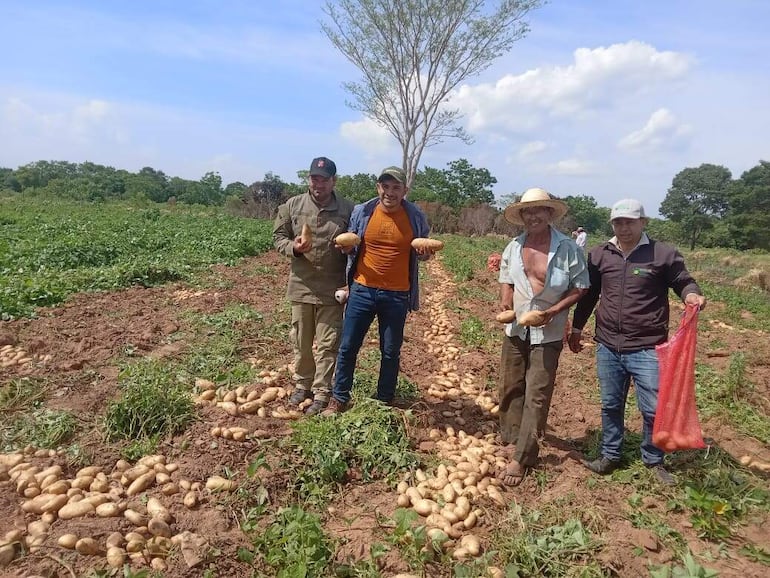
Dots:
(548, 542)
(57, 247)
(463, 256)
(473, 333)
(369, 440)
(21, 394)
(41, 428)
(730, 396)
(153, 403)
(294, 544)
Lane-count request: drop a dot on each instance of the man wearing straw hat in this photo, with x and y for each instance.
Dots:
(541, 270)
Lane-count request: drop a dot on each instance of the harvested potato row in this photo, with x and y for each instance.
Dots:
(448, 385)
(13, 355)
(446, 499)
(237, 434)
(92, 492)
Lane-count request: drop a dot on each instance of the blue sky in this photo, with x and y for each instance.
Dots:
(604, 98)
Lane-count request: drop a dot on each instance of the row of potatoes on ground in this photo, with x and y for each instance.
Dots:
(48, 495)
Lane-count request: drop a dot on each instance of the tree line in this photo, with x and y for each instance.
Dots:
(704, 206)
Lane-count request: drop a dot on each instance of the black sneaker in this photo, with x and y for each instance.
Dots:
(316, 407)
(602, 465)
(664, 476)
(299, 396)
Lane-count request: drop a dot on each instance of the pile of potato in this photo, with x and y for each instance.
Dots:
(48, 495)
(13, 355)
(448, 499)
(246, 400)
(448, 384)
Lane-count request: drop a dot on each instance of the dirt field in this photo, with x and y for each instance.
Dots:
(84, 339)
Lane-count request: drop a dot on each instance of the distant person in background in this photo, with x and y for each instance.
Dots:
(383, 277)
(317, 271)
(581, 238)
(541, 270)
(633, 274)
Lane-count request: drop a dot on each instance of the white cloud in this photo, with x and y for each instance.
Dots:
(661, 129)
(572, 167)
(532, 148)
(597, 79)
(372, 138)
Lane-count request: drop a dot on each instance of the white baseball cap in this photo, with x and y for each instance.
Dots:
(627, 209)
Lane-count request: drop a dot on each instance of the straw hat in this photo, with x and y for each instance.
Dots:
(535, 198)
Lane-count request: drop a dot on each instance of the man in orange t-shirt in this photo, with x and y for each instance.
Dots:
(382, 277)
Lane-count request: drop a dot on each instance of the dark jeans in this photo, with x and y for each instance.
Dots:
(615, 371)
(528, 374)
(364, 304)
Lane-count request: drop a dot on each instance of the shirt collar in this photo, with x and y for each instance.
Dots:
(644, 240)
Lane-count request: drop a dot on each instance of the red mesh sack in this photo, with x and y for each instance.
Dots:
(493, 262)
(676, 417)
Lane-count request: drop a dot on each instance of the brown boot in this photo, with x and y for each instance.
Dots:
(335, 407)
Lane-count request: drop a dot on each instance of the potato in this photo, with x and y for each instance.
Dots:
(37, 528)
(170, 489)
(532, 318)
(12, 536)
(430, 244)
(347, 240)
(83, 482)
(156, 508)
(270, 394)
(251, 407)
(190, 500)
(151, 460)
(7, 554)
(88, 471)
(507, 316)
(141, 483)
(136, 518)
(115, 540)
(158, 527)
(424, 507)
(67, 541)
(220, 484)
(471, 543)
(108, 510)
(88, 547)
(75, 509)
(135, 546)
(116, 557)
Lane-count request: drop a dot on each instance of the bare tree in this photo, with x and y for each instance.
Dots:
(413, 53)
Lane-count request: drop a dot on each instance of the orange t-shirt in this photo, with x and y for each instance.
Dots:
(384, 259)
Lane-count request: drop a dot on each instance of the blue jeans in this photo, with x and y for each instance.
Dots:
(390, 308)
(615, 371)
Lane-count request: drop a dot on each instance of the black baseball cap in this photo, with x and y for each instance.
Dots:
(323, 167)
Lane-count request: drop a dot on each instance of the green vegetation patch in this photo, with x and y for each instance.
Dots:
(40, 428)
(153, 403)
(294, 545)
(463, 256)
(53, 248)
(548, 542)
(731, 396)
(370, 440)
